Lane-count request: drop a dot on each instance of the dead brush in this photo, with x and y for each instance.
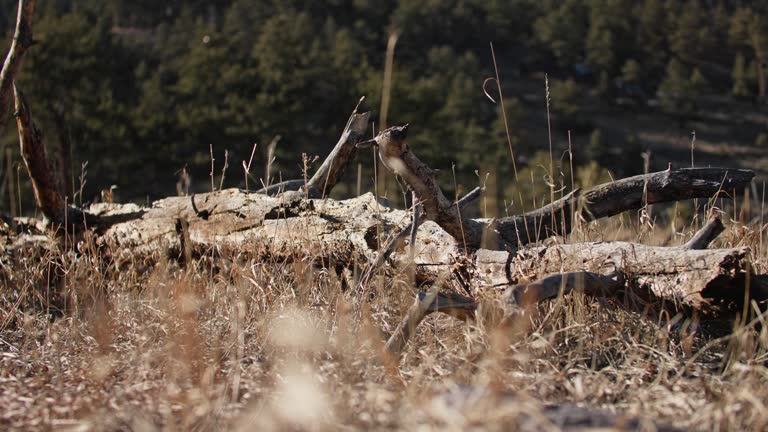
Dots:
(240, 345)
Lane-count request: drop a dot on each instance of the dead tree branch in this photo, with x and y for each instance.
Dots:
(706, 235)
(333, 167)
(452, 304)
(604, 200)
(531, 294)
(398, 158)
(616, 197)
(22, 40)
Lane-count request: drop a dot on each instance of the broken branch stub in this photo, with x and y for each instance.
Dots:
(399, 159)
(706, 235)
(333, 167)
(330, 172)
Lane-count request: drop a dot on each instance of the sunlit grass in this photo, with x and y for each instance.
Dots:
(279, 345)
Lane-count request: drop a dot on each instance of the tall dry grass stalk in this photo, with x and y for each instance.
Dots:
(386, 87)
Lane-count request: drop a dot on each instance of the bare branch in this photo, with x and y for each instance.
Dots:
(427, 302)
(613, 198)
(22, 40)
(604, 200)
(706, 235)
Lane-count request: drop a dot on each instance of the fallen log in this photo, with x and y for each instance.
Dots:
(693, 279)
(713, 282)
(346, 231)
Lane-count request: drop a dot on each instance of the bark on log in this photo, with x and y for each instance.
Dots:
(346, 231)
(710, 280)
(22, 40)
(706, 234)
(48, 196)
(612, 198)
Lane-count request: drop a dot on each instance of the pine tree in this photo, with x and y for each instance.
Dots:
(748, 28)
(608, 39)
(697, 88)
(674, 91)
(631, 71)
(563, 30)
(691, 37)
(739, 76)
(651, 37)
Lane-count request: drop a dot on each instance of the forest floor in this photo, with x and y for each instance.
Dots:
(242, 344)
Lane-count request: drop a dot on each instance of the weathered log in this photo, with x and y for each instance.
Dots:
(604, 200)
(22, 40)
(613, 198)
(395, 240)
(712, 281)
(346, 231)
(709, 280)
(235, 217)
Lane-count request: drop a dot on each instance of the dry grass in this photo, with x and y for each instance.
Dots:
(246, 345)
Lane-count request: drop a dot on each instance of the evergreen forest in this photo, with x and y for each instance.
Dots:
(137, 93)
